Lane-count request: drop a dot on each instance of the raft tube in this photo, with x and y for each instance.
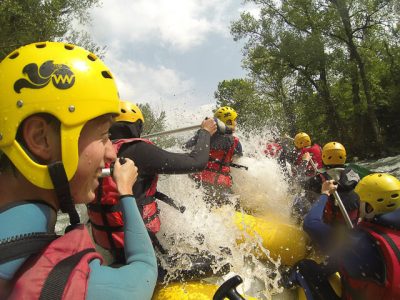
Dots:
(282, 240)
(188, 291)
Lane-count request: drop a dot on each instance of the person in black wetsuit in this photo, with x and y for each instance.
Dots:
(104, 214)
(216, 177)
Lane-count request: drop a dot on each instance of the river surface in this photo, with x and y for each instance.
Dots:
(263, 189)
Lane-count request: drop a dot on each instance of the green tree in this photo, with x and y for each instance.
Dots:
(155, 122)
(327, 67)
(254, 112)
(26, 21)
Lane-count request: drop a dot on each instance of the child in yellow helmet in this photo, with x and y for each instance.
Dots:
(57, 102)
(216, 177)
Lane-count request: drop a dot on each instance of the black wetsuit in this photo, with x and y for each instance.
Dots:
(218, 141)
(152, 160)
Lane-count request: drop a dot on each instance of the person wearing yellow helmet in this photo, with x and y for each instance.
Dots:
(57, 101)
(151, 160)
(216, 178)
(368, 259)
(334, 159)
(305, 153)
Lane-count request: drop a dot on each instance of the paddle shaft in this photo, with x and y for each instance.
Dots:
(171, 131)
(239, 166)
(338, 200)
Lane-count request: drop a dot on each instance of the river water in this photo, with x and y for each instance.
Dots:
(262, 188)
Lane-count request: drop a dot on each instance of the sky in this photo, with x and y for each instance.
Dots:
(169, 53)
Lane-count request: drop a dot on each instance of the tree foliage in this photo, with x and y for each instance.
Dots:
(327, 67)
(26, 21)
(155, 121)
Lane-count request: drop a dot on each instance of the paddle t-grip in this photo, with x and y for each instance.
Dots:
(105, 172)
(228, 289)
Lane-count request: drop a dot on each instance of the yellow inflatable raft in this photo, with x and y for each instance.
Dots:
(187, 291)
(282, 240)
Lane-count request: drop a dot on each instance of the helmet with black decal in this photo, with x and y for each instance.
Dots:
(58, 79)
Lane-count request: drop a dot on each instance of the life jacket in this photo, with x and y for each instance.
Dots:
(217, 171)
(273, 150)
(60, 271)
(388, 242)
(332, 212)
(105, 212)
(316, 155)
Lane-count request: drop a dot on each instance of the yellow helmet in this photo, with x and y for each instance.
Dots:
(59, 79)
(382, 193)
(129, 112)
(333, 153)
(302, 140)
(226, 114)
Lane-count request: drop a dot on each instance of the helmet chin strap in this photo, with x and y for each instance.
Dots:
(61, 185)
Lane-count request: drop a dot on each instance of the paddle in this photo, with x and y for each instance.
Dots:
(171, 131)
(228, 289)
(338, 200)
(239, 166)
(221, 128)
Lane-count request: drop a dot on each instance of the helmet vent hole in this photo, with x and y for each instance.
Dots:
(123, 111)
(69, 47)
(329, 157)
(14, 55)
(42, 45)
(394, 196)
(106, 74)
(380, 200)
(92, 57)
(133, 111)
(391, 205)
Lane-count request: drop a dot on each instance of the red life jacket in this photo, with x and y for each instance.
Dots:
(105, 213)
(332, 214)
(273, 150)
(217, 171)
(34, 278)
(388, 241)
(316, 155)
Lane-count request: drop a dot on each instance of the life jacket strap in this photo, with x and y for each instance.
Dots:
(55, 283)
(106, 208)
(108, 228)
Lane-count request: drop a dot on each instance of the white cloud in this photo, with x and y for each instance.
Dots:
(180, 24)
(141, 83)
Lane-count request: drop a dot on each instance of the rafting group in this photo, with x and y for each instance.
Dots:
(67, 138)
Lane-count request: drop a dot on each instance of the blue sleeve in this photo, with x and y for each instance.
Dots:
(136, 279)
(32, 217)
(314, 225)
(239, 149)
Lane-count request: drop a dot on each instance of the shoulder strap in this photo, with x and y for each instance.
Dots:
(169, 201)
(24, 245)
(55, 283)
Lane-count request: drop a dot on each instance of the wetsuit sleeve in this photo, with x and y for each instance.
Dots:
(151, 159)
(238, 150)
(190, 143)
(135, 280)
(313, 184)
(314, 224)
